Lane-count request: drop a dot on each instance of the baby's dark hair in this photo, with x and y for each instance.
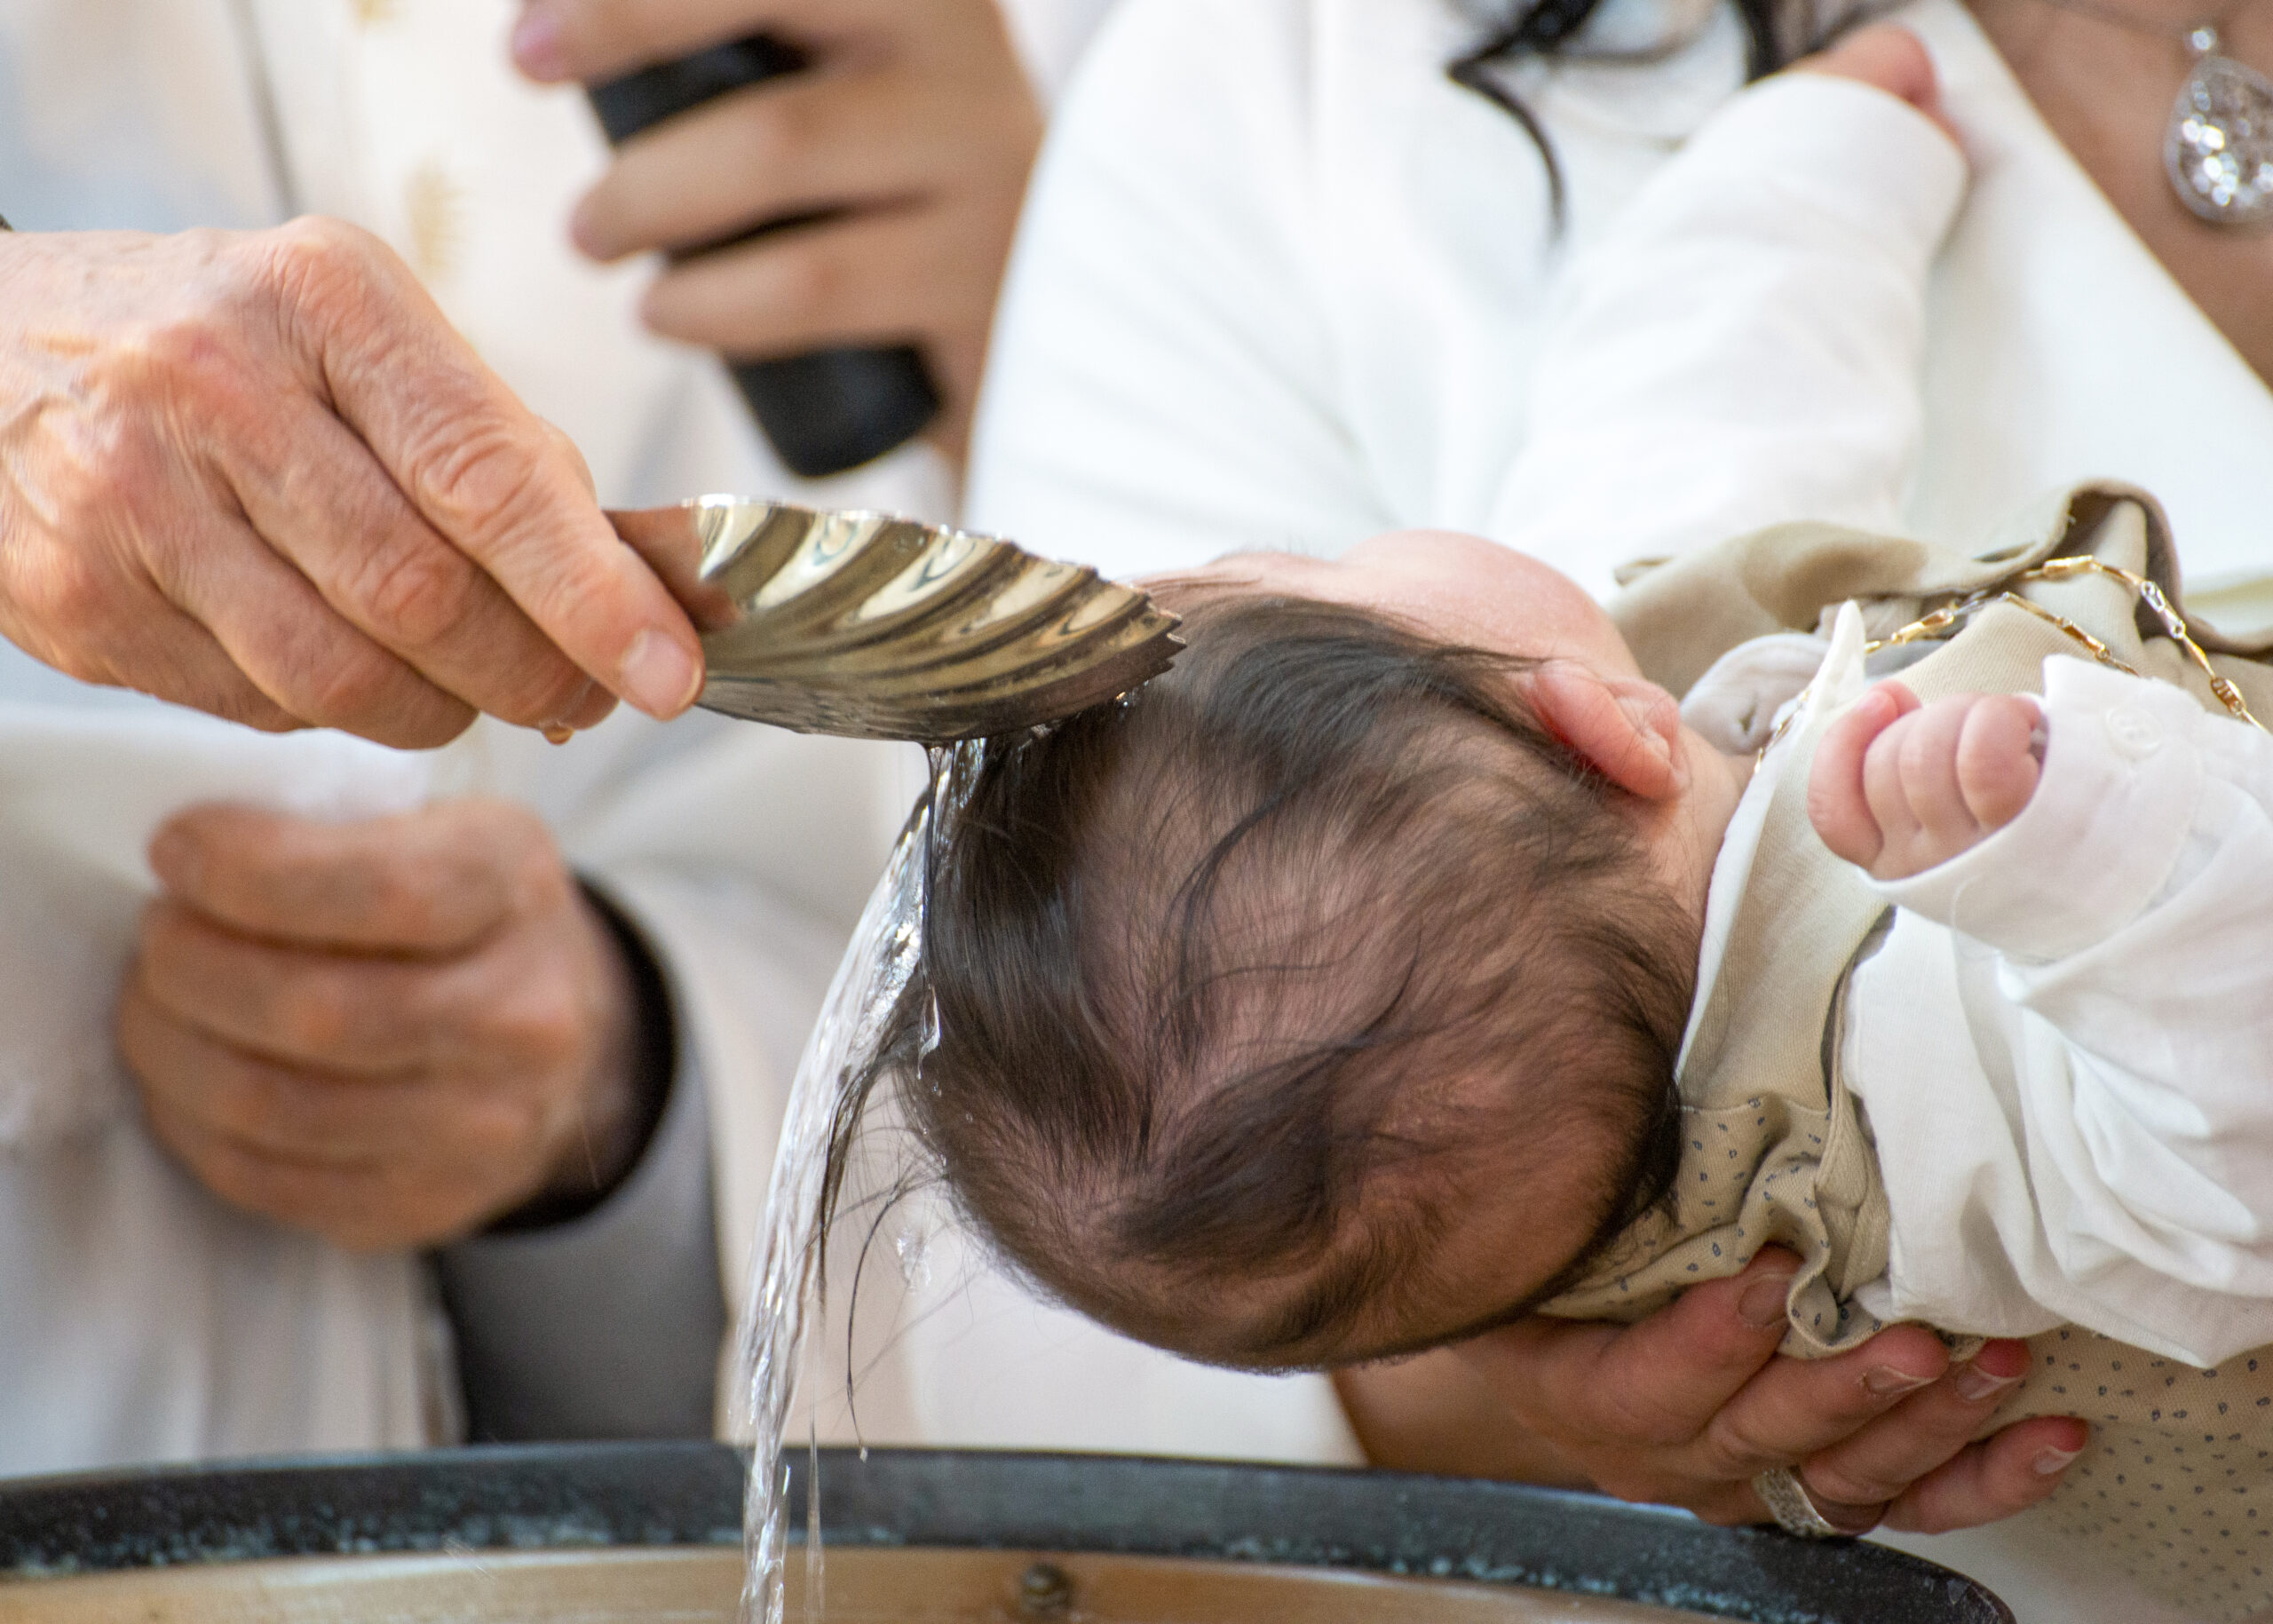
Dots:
(1206, 963)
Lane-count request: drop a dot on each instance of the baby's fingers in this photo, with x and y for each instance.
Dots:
(1997, 759)
(1837, 803)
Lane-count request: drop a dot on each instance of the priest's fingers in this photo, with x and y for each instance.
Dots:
(375, 1206)
(432, 883)
(364, 1016)
(129, 561)
(1882, 1460)
(311, 1117)
(533, 1006)
(307, 530)
(279, 435)
(480, 1078)
(329, 511)
(485, 474)
(299, 651)
(2006, 1473)
(124, 634)
(299, 1195)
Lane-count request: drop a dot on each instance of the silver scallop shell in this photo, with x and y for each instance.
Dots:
(869, 626)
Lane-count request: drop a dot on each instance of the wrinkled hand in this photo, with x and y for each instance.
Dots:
(1686, 1407)
(1899, 787)
(258, 473)
(389, 1032)
(912, 132)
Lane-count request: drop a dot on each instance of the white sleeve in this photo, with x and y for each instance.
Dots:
(2125, 912)
(1160, 386)
(1743, 347)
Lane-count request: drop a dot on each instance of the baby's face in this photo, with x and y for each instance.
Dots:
(1450, 588)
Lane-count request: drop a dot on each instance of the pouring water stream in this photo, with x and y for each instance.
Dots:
(840, 1058)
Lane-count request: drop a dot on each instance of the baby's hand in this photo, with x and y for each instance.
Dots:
(1888, 56)
(1899, 786)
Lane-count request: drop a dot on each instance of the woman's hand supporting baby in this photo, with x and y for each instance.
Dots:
(1899, 786)
(1686, 1406)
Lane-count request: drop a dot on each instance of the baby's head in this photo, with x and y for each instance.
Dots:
(1321, 1002)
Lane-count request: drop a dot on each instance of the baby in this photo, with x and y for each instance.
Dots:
(1322, 1002)
(1325, 1002)
(1408, 960)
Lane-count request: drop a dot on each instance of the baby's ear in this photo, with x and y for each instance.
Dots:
(1626, 729)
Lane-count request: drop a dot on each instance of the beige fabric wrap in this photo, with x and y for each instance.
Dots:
(2179, 1478)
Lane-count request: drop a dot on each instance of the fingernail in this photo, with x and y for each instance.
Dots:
(659, 676)
(1886, 1380)
(537, 43)
(1763, 1302)
(2049, 1463)
(1974, 1383)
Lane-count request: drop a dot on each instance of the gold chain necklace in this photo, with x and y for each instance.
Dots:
(1950, 619)
(2217, 147)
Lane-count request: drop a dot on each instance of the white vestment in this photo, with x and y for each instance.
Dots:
(140, 1318)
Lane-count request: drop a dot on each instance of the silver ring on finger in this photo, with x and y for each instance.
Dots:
(1780, 1490)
